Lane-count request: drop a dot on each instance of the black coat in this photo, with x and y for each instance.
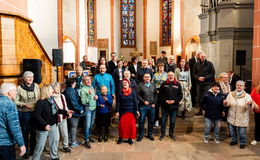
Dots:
(116, 77)
(233, 82)
(169, 68)
(170, 91)
(131, 68)
(161, 60)
(205, 70)
(43, 115)
(111, 66)
(141, 72)
(212, 105)
(192, 62)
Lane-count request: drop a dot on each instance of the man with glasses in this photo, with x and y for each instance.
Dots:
(170, 65)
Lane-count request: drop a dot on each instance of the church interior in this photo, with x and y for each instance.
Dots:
(226, 30)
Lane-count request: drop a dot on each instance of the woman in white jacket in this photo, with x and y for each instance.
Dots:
(239, 103)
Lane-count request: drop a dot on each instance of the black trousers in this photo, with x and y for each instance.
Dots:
(7, 152)
(200, 90)
(257, 126)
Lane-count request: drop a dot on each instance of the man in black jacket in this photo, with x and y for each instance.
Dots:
(162, 59)
(170, 95)
(233, 78)
(203, 73)
(147, 97)
(112, 64)
(170, 65)
(144, 69)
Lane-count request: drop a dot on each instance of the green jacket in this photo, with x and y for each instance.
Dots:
(24, 97)
(86, 98)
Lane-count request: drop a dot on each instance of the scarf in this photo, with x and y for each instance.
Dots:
(54, 107)
(174, 82)
(127, 92)
(30, 88)
(239, 93)
(147, 84)
(225, 87)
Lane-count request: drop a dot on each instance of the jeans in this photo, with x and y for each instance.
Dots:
(172, 115)
(63, 130)
(89, 121)
(27, 129)
(7, 152)
(53, 142)
(241, 133)
(148, 111)
(208, 124)
(73, 127)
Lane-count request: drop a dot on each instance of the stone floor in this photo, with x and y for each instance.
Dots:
(186, 147)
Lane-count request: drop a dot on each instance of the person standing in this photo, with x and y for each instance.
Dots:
(151, 65)
(147, 96)
(133, 85)
(143, 70)
(112, 64)
(204, 73)
(213, 111)
(170, 65)
(192, 62)
(158, 78)
(72, 100)
(162, 58)
(255, 94)
(239, 103)
(88, 100)
(104, 79)
(118, 75)
(10, 130)
(46, 119)
(126, 109)
(233, 78)
(134, 67)
(85, 64)
(170, 95)
(182, 74)
(28, 93)
(60, 101)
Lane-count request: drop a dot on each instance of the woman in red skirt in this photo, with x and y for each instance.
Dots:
(126, 110)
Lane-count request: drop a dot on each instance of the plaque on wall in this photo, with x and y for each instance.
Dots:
(153, 48)
(102, 43)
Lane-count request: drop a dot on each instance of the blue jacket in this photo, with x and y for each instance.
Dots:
(212, 105)
(104, 80)
(127, 103)
(72, 100)
(10, 131)
(108, 104)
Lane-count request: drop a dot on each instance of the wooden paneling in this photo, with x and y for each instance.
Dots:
(20, 43)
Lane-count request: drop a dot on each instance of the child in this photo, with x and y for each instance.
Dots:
(103, 117)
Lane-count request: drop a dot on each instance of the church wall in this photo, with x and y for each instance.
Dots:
(19, 7)
(45, 24)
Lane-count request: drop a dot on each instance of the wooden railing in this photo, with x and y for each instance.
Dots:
(17, 42)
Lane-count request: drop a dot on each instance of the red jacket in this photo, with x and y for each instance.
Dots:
(256, 97)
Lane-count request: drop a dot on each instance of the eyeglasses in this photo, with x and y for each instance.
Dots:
(87, 79)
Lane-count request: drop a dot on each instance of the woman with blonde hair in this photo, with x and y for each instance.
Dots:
(46, 120)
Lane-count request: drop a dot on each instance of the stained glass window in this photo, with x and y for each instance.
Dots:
(128, 23)
(166, 23)
(92, 40)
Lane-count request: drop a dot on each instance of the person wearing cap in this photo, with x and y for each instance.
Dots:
(28, 93)
(162, 59)
(10, 131)
(126, 108)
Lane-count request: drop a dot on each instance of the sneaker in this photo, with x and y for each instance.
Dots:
(105, 138)
(242, 146)
(75, 144)
(151, 138)
(91, 140)
(206, 140)
(232, 143)
(161, 138)
(156, 124)
(254, 142)
(87, 145)
(217, 141)
(172, 137)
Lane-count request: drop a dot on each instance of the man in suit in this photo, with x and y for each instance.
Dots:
(170, 65)
(134, 67)
(143, 70)
(118, 75)
(233, 78)
(192, 62)
(112, 64)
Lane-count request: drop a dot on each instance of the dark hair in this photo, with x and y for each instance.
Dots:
(99, 63)
(215, 84)
(163, 52)
(160, 65)
(70, 81)
(113, 53)
(133, 58)
(186, 66)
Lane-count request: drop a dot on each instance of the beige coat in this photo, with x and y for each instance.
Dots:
(238, 113)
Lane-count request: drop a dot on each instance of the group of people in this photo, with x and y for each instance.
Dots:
(29, 114)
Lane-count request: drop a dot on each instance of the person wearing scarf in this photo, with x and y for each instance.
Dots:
(213, 111)
(170, 94)
(147, 96)
(46, 120)
(28, 93)
(126, 110)
(239, 104)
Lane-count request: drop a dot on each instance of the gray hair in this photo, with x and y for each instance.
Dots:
(7, 87)
(127, 71)
(199, 51)
(27, 74)
(240, 82)
(221, 75)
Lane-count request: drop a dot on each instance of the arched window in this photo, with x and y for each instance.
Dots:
(128, 31)
(166, 22)
(92, 29)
